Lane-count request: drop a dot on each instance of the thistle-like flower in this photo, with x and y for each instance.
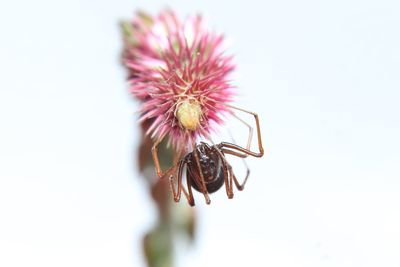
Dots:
(179, 72)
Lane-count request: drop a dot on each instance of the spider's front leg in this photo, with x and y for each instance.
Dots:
(250, 136)
(225, 146)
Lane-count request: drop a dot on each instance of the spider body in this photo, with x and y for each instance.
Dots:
(207, 168)
(211, 166)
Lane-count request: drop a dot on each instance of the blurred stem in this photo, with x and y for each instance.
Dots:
(173, 220)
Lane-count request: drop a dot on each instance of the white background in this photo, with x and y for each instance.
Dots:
(323, 76)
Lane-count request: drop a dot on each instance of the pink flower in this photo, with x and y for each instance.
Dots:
(179, 72)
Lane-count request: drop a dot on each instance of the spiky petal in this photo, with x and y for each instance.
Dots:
(180, 73)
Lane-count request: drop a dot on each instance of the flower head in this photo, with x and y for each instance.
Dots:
(179, 72)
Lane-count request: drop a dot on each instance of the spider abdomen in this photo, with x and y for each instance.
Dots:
(211, 167)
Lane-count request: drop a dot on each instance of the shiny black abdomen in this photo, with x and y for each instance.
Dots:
(211, 166)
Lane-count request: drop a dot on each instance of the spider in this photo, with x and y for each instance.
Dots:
(207, 168)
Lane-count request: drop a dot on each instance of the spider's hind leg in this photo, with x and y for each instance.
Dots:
(189, 195)
(178, 192)
(239, 186)
(161, 173)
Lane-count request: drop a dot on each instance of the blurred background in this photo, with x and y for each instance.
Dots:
(322, 75)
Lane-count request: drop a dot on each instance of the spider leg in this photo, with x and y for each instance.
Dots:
(235, 153)
(189, 195)
(228, 174)
(250, 131)
(242, 149)
(177, 193)
(239, 186)
(203, 183)
(154, 152)
(229, 180)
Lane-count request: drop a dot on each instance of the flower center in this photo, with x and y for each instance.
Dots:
(189, 114)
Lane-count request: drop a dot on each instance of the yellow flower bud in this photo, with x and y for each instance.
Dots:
(189, 114)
